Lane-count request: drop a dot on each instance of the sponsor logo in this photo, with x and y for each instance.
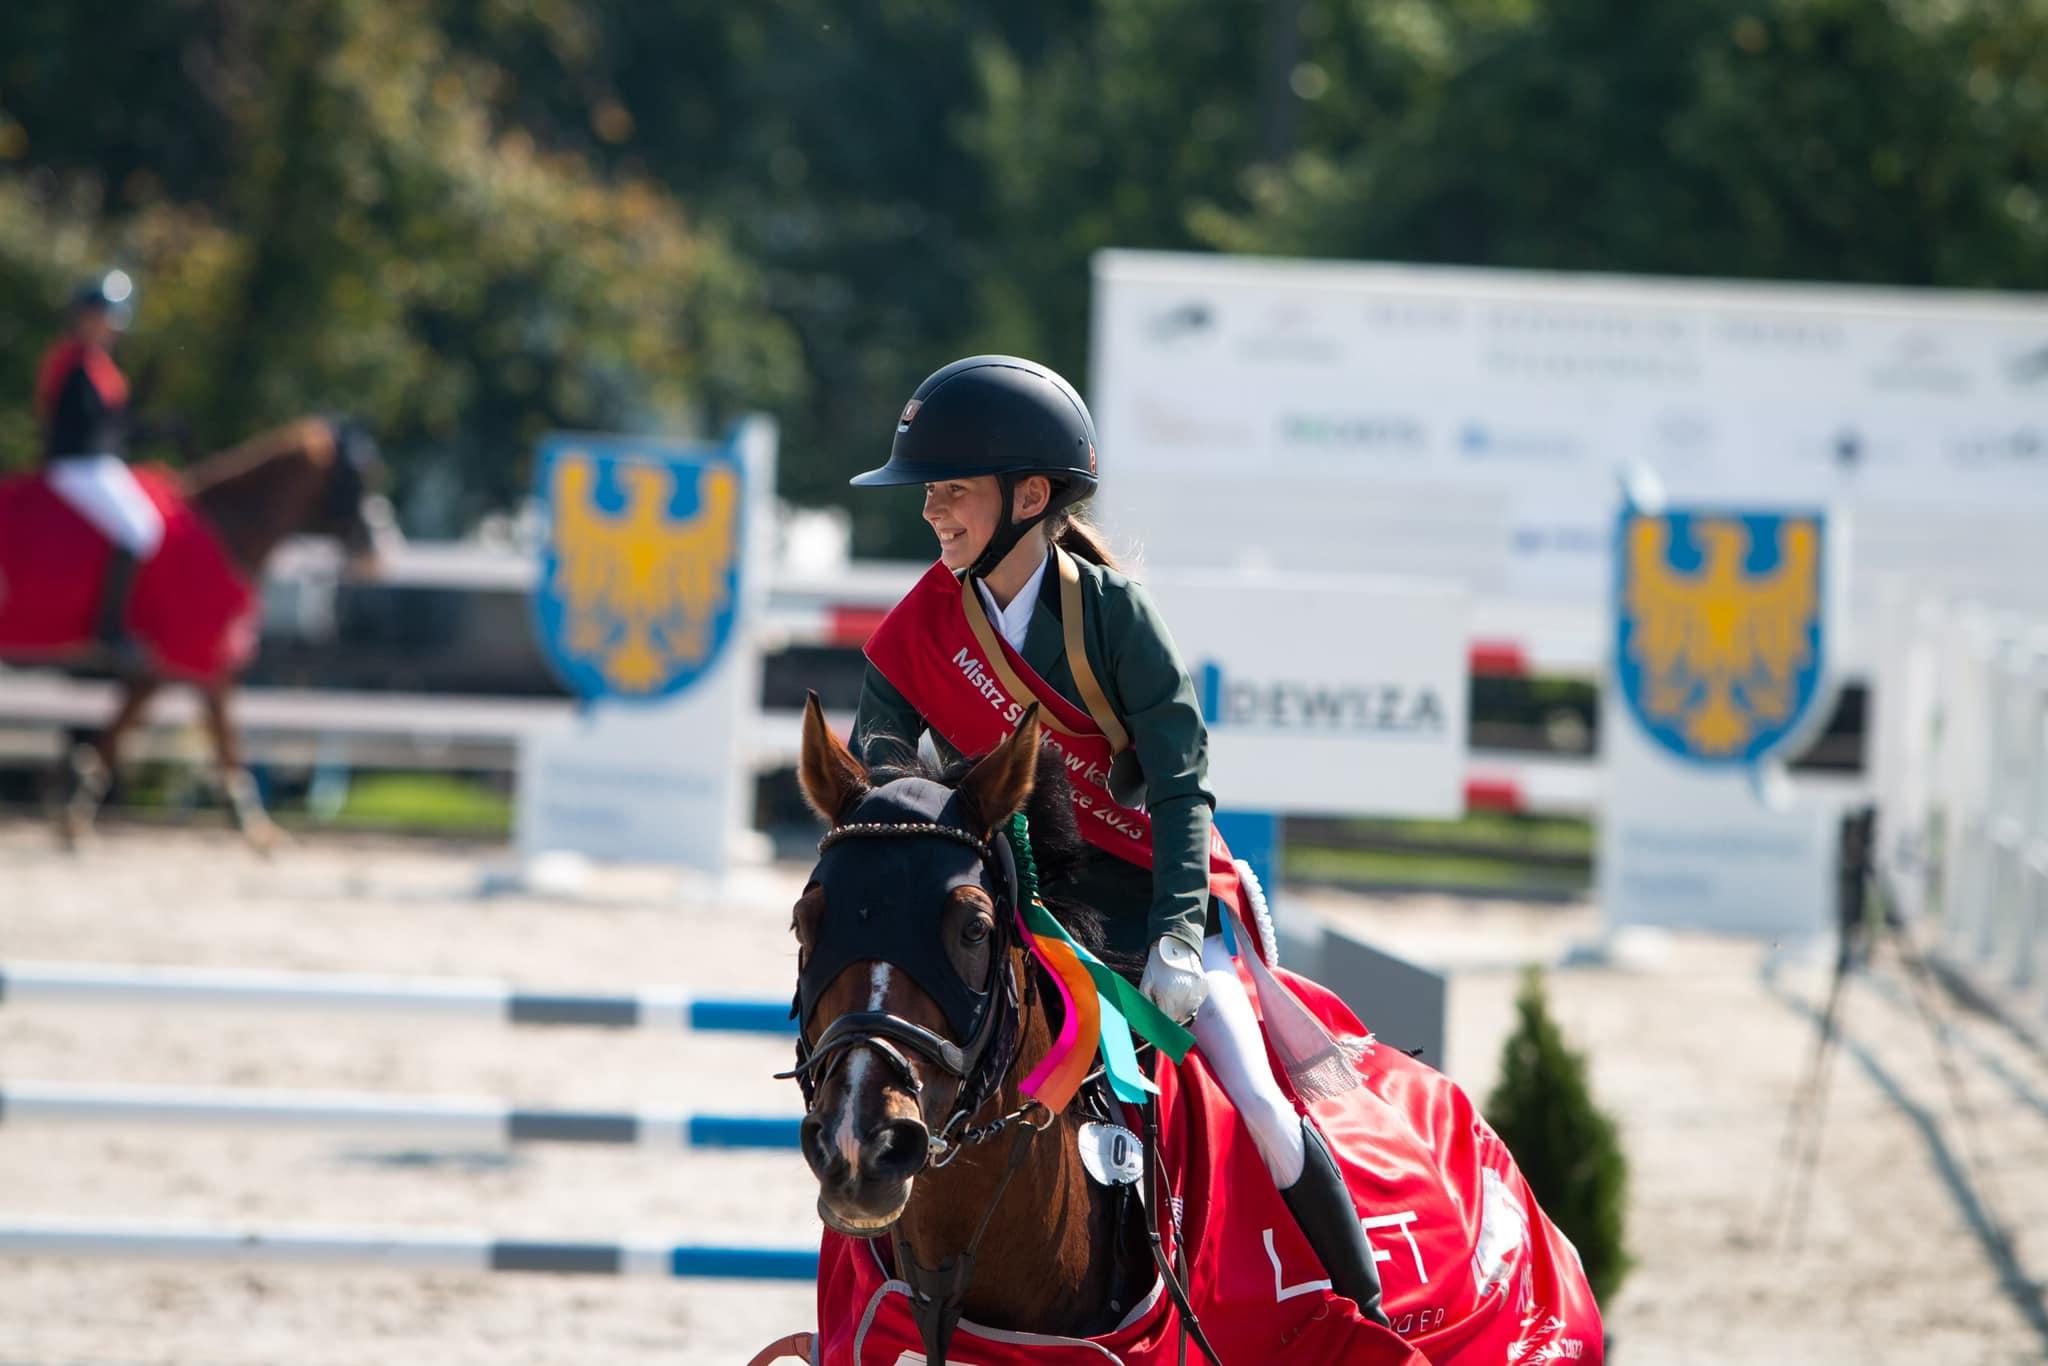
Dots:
(639, 572)
(1557, 538)
(1162, 426)
(2002, 446)
(1232, 701)
(1720, 629)
(1182, 321)
(1918, 364)
(1779, 335)
(1388, 432)
(1682, 430)
(1485, 441)
(1403, 314)
(1290, 333)
(2029, 367)
(1554, 343)
(1849, 449)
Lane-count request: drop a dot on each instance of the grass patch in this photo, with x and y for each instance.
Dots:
(428, 802)
(1372, 867)
(1489, 829)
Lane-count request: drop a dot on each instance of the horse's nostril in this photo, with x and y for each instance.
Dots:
(825, 1162)
(896, 1150)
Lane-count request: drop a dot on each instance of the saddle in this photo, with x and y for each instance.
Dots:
(192, 609)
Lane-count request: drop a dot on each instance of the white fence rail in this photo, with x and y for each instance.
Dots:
(315, 728)
(1960, 765)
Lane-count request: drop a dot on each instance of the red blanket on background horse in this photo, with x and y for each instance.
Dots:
(191, 607)
(1472, 1270)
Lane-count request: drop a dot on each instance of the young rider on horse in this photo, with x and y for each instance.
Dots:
(81, 401)
(1004, 448)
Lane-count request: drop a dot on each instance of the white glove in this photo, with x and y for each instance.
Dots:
(1173, 979)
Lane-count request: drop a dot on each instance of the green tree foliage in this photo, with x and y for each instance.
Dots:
(383, 243)
(471, 220)
(1564, 1144)
(1812, 139)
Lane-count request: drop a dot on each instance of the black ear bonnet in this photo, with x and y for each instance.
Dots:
(885, 900)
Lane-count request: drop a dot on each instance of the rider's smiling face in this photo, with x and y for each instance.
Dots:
(962, 513)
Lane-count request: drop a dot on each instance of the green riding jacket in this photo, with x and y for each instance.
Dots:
(1141, 672)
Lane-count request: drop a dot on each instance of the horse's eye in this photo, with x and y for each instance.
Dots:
(977, 929)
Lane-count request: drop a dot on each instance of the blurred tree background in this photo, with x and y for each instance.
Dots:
(471, 221)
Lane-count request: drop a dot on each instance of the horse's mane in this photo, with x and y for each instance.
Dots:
(1056, 845)
(309, 436)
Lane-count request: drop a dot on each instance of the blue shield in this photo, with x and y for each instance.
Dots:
(1721, 628)
(639, 580)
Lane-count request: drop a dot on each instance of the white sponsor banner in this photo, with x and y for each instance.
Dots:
(1471, 424)
(1325, 694)
(661, 779)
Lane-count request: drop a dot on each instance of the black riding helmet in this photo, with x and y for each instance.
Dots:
(999, 415)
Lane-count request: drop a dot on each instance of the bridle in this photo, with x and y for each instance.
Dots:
(937, 1293)
(980, 1065)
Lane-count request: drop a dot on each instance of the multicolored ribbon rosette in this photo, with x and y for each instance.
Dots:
(1100, 1009)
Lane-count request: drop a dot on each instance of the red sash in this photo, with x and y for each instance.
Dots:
(937, 648)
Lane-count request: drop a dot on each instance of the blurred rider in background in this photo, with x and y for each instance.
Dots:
(81, 403)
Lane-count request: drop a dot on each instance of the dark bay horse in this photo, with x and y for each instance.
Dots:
(311, 477)
(1059, 1253)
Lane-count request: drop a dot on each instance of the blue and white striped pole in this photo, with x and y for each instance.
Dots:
(445, 1119)
(416, 1250)
(89, 984)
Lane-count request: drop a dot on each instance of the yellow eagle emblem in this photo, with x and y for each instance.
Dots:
(641, 598)
(1719, 658)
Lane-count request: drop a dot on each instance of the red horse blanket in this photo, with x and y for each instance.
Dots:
(1472, 1270)
(191, 607)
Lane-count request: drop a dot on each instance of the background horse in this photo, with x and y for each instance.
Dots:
(920, 1011)
(311, 477)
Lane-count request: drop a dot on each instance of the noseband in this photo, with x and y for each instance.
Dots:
(977, 1066)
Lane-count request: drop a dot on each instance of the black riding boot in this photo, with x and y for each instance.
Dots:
(1321, 1205)
(111, 628)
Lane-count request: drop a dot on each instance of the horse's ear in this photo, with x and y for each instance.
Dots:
(833, 780)
(1000, 783)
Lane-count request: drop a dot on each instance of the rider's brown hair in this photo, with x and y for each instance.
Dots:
(1079, 537)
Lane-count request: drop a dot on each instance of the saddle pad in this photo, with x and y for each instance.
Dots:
(192, 610)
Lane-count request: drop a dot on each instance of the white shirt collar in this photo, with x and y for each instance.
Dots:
(1013, 621)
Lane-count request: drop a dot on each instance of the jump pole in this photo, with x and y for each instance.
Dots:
(445, 1119)
(671, 1008)
(419, 1250)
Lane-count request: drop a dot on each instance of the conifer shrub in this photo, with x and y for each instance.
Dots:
(1566, 1146)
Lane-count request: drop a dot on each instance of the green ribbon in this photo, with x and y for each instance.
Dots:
(1125, 1010)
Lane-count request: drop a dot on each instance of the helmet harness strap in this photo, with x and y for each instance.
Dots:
(1010, 531)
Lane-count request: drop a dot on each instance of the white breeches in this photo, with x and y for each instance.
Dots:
(1228, 1034)
(103, 491)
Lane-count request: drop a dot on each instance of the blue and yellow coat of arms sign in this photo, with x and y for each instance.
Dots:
(640, 568)
(1722, 629)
